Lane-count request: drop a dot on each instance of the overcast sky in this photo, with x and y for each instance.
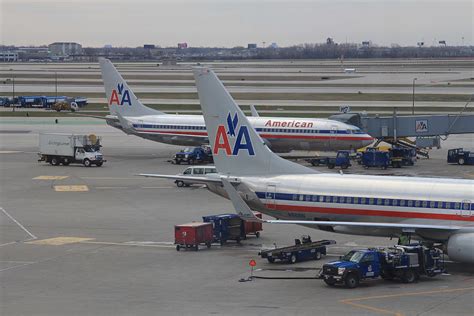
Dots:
(228, 23)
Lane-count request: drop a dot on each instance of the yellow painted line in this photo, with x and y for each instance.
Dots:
(59, 241)
(51, 178)
(71, 188)
(384, 311)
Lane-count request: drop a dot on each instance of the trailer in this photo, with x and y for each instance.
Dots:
(65, 149)
(226, 227)
(304, 249)
(253, 228)
(460, 156)
(191, 235)
(400, 156)
(372, 157)
(406, 263)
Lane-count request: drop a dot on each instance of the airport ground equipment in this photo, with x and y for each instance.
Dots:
(253, 228)
(195, 171)
(372, 157)
(402, 156)
(460, 156)
(341, 160)
(65, 106)
(70, 148)
(191, 235)
(226, 227)
(406, 263)
(193, 155)
(303, 249)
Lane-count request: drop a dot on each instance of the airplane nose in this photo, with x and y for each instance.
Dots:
(368, 140)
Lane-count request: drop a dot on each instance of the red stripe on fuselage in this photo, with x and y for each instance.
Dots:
(264, 135)
(351, 211)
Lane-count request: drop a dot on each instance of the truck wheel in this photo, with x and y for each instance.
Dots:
(99, 164)
(408, 276)
(271, 259)
(318, 255)
(55, 161)
(344, 166)
(351, 281)
(331, 166)
(179, 184)
(330, 282)
(292, 259)
(387, 275)
(257, 234)
(238, 240)
(178, 247)
(178, 162)
(208, 245)
(461, 161)
(66, 162)
(87, 162)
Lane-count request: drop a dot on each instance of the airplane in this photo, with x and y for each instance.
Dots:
(282, 134)
(433, 210)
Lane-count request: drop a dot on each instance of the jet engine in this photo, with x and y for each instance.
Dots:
(461, 247)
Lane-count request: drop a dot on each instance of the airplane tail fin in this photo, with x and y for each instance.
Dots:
(120, 97)
(236, 146)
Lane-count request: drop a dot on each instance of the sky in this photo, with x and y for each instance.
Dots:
(229, 23)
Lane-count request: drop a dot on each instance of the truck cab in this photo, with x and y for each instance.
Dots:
(88, 155)
(352, 267)
(191, 155)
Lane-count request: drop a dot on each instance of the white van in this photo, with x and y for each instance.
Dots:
(197, 171)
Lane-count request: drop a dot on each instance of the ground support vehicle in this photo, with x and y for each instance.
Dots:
(194, 155)
(342, 160)
(226, 227)
(70, 148)
(253, 228)
(197, 171)
(304, 249)
(191, 235)
(372, 157)
(400, 156)
(460, 156)
(65, 106)
(406, 263)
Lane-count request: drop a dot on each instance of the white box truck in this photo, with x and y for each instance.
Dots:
(69, 148)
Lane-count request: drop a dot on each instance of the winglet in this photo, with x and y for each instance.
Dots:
(243, 210)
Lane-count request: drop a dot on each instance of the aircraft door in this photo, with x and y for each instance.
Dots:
(466, 209)
(270, 196)
(333, 137)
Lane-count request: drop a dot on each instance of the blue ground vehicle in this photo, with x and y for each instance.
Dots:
(406, 263)
(192, 155)
(373, 157)
(303, 250)
(400, 156)
(342, 160)
(461, 157)
(226, 227)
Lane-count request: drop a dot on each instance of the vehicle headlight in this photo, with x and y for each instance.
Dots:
(186, 156)
(341, 270)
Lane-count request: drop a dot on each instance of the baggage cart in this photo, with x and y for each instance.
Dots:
(191, 235)
(226, 227)
(304, 249)
(253, 228)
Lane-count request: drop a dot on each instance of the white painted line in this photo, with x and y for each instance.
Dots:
(158, 187)
(8, 243)
(17, 266)
(18, 223)
(110, 188)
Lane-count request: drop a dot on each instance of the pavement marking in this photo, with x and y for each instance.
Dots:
(50, 177)
(19, 224)
(388, 312)
(71, 188)
(110, 188)
(157, 187)
(9, 152)
(109, 178)
(59, 241)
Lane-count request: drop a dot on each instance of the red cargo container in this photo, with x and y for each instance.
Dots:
(253, 228)
(192, 234)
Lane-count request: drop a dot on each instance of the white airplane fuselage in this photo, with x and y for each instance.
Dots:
(280, 134)
(356, 198)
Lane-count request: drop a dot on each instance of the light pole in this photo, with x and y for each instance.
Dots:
(56, 85)
(413, 97)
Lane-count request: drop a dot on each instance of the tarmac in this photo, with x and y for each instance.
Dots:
(99, 241)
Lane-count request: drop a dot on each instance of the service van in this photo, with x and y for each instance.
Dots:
(198, 171)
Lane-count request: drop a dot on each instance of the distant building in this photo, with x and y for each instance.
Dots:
(442, 43)
(64, 49)
(251, 46)
(366, 43)
(329, 41)
(273, 45)
(107, 46)
(8, 56)
(149, 46)
(182, 45)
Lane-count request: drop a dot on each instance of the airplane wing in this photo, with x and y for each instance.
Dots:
(244, 211)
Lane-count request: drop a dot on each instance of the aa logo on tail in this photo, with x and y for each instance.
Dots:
(120, 96)
(231, 140)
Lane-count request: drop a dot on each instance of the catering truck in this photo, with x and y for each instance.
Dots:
(70, 148)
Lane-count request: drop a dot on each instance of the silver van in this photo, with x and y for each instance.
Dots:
(197, 171)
